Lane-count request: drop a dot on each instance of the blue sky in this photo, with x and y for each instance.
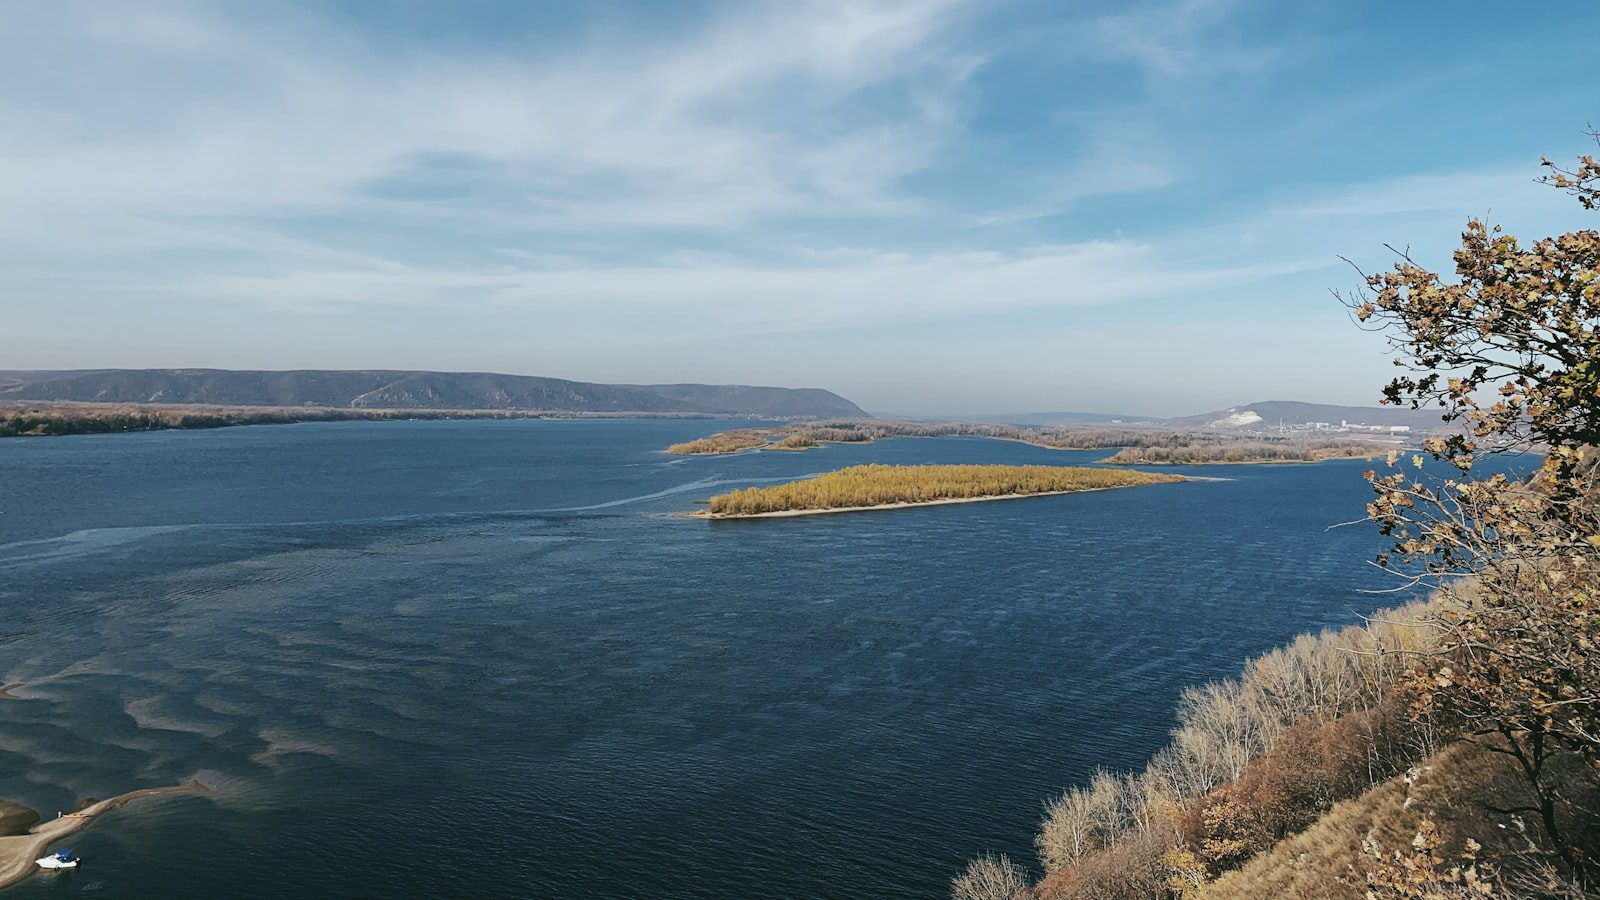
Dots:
(929, 206)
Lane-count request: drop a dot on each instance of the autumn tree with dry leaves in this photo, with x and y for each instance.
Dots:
(1509, 351)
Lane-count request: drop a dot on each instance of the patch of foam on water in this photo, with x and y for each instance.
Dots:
(79, 543)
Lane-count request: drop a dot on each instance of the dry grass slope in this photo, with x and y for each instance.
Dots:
(1452, 789)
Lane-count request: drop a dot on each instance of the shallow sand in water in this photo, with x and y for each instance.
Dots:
(18, 852)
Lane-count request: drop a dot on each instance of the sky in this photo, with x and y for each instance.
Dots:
(929, 206)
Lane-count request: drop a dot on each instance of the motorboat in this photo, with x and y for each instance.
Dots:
(61, 859)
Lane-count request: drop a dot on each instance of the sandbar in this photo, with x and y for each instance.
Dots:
(18, 852)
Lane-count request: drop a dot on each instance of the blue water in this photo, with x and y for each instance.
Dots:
(479, 659)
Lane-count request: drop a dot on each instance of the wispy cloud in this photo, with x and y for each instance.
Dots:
(834, 289)
(870, 167)
(753, 114)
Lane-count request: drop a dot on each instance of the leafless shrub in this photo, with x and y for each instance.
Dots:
(991, 878)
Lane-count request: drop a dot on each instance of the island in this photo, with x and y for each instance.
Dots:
(1136, 445)
(892, 487)
(796, 441)
(809, 435)
(721, 443)
(743, 439)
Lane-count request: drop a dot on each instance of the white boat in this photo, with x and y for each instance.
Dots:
(61, 859)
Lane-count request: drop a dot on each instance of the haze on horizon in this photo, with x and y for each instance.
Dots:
(930, 206)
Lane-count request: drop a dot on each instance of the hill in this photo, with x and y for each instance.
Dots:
(390, 389)
(1272, 413)
(1038, 419)
(770, 401)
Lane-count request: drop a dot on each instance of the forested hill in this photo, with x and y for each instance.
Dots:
(741, 398)
(386, 389)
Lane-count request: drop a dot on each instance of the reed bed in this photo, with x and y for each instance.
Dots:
(881, 485)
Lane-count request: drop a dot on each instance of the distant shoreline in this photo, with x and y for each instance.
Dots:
(1127, 446)
(1245, 462)
(59, 419)
(1133, 460)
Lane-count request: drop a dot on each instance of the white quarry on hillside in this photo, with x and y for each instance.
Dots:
(1235, 418)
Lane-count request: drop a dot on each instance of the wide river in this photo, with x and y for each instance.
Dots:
(480, 659)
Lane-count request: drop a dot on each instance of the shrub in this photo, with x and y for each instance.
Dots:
(991, 878)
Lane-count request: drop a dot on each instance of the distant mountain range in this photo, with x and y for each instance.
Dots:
(380, 389)
(1272, 413)
(388, 389)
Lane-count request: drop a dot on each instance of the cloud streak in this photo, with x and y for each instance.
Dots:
(880, 171)
(750, 115)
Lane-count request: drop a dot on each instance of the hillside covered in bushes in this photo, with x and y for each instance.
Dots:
(1448, 748)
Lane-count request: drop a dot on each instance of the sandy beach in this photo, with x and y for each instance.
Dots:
(18, 852)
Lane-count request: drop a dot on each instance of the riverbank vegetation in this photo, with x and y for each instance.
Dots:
(723, 442)
(797, 441)
(1142, 446)
(1248, 451)
(1447, 749)
(880, 485)
(48, 419)
(848, 431)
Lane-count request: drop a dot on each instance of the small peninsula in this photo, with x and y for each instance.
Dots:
(19, 848)
(892, 487)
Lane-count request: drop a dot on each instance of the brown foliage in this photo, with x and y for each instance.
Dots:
(880, 485)
(796, 441)
(1248, 451)
(1130, 868)
(1304, 726)
(724, 442)
(1518, 656)
(1314, 765)
(1507, 659)
(1421, 872)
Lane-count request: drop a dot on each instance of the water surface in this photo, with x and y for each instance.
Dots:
(478, 659)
